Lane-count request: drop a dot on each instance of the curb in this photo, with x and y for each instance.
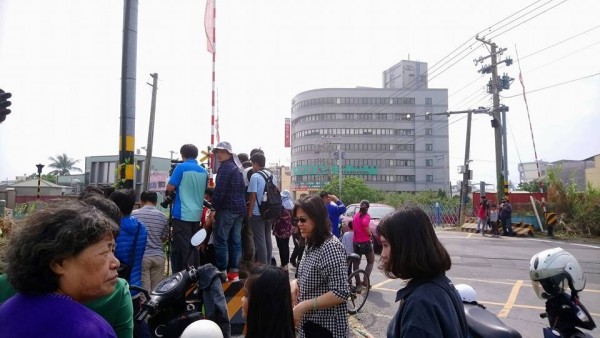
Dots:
(520, 229)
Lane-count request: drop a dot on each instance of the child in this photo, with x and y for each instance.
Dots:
(348, 241)
(494, 220)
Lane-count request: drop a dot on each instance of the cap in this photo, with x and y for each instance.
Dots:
(223, 146)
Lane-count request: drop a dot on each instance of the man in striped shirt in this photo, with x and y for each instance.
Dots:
(153, 263)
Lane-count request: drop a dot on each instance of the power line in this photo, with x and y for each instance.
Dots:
(552, 86)
(533, 17)
(558, 43)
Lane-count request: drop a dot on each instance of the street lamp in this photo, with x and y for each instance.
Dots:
(39, 170)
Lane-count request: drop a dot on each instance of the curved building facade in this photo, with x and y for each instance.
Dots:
(394, 138)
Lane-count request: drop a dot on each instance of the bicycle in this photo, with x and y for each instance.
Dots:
(359, 286)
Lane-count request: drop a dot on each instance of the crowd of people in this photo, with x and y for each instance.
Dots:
(82, 256)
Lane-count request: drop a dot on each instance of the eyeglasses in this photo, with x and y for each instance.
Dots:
(300, 220)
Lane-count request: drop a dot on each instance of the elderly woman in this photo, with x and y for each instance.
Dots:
(61, 257)
(321, 290)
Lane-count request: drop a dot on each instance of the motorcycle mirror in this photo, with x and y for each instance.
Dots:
(198, 237)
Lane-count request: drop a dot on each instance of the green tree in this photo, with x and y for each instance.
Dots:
(353, 190)
(63, 165)
(533, 186)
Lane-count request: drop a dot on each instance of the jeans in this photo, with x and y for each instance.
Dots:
(263, 247)
(227, 239)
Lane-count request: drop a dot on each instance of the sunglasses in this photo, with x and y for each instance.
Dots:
(300, 220)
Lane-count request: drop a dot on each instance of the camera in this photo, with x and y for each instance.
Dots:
(169, 197)
(174, 164)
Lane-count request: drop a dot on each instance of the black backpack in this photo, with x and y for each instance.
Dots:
(272, 207)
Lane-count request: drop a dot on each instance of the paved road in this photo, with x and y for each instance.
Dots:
(498, 269)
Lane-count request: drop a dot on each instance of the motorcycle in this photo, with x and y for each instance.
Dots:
(551, 271)
(183, 298)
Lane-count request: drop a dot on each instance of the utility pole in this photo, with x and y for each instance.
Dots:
(494, 87)
(464, 169)
(150, 132)
(464, 189)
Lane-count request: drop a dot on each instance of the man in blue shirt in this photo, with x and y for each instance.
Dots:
(335, 208)
(188, 181)
(230, 205)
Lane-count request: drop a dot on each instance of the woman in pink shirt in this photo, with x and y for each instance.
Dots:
(362, 238)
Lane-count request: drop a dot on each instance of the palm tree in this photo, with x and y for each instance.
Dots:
(63, 165)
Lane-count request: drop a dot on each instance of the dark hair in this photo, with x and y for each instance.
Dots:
(243, 157)
(350, 225)
(62, 230)
(269, 303)
(149, 196)
(416, 252)
(124, 199)
(246, 164)
(256, 151)
(188, 151)
(363, 211)
(324, 194)
(108, 189)
(209, 191)
(108, 207)
(314, 207)
(91, 190)
(258, 158)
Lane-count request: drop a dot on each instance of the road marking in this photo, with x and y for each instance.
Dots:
(376, 286)
(469, 235)
(511, 299)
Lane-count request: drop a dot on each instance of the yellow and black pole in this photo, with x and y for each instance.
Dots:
(126, 166)
(39, 171)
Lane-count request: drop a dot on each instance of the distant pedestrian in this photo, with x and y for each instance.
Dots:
(482, 215)
(335, 208)
(506, 216)
(494, 220)
(437, 215)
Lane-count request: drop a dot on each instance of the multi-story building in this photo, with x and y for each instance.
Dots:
(580, 172)
(394, 138)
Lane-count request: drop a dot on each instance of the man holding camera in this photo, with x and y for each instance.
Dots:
(188, 183)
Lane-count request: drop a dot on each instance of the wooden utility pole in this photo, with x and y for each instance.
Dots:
(147, 166)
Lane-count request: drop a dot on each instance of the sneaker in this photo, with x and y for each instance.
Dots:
(233, 277)
(223, 276)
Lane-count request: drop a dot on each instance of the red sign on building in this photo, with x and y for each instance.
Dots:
(287, 133)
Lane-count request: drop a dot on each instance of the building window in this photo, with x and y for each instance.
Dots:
(428, 147)
(381, 116)
(428, 101)
(429, 178)
(428, 131)
(429, 163)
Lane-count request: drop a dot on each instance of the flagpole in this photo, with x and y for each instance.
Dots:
(210, 16)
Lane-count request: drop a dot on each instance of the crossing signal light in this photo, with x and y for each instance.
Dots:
(4, 104)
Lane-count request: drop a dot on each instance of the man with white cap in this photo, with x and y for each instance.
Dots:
(230, 205)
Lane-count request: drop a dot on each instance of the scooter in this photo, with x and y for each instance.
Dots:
(551, 271)
(183, 298)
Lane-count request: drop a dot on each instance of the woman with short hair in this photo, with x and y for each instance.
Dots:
(321, 290)
(430, 306)
(62, 256)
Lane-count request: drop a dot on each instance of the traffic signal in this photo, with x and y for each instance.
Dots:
(4, 104)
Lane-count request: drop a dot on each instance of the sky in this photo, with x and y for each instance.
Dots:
(61, 60)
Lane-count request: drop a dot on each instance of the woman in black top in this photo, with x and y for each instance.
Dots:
(430, 305)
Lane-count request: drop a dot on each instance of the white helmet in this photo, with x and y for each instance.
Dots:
(202, 328)
(550, 268)
(467, 293)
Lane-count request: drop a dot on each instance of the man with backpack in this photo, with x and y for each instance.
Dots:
(264, 206)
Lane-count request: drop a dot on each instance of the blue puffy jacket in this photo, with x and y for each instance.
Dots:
(124, 243)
